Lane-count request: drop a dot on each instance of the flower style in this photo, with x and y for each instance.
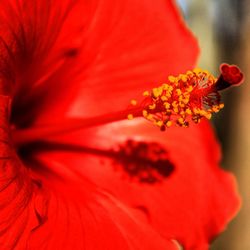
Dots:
(73, 174)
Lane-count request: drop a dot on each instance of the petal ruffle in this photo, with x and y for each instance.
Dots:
(135, 46)
(62, 212)
(90, 54)
(192, 201)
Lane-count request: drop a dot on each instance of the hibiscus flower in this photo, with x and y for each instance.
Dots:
(73, 173)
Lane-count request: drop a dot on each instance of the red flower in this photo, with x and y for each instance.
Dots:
(69, 181)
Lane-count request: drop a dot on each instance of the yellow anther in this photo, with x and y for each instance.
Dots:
(202, 112)
(181, 120)
(179, 77)
(168, 124)
(164, 98)
(159, 123)
(185, 101)
(133, 102)
(178, 92)
(171, 79)
(174, 104)
(189, 73)
(130, 116)
(197, 71)
(166, 105)
(165, 86)
(168, 94)
(184, 78)
(221, 105)
(208, 116)
(157, 92)
(145, 93)
(150, 117)
(196, 111)
(145, 113)
(188, 111)
(152, 106)
(175, 109)
(215, 109)
(189, 88)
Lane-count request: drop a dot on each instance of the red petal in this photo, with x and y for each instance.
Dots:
(62, 212)
(103, 52)
(193, 204)
(136, 45)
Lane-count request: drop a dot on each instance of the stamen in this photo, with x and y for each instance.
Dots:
(188, 97)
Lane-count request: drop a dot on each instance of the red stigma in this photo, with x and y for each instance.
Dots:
(231, 74)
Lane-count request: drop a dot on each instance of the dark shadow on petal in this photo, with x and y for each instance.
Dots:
(146, 162)
(71, 52)
(143, 162)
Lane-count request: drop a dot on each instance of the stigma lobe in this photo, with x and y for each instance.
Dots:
(230, 76)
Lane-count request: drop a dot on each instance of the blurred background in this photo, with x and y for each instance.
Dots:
(223, 30)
